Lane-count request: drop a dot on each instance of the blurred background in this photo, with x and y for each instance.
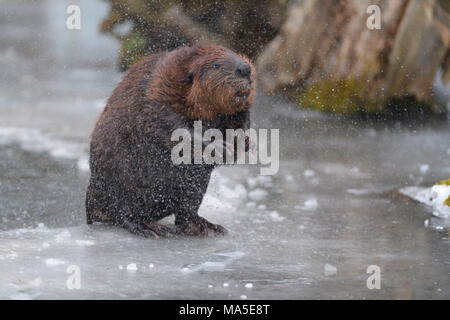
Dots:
(364, 130)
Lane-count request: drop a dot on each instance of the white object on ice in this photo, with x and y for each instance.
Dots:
(329, 270)
(434, 197)
(249, 285)
(132, 267)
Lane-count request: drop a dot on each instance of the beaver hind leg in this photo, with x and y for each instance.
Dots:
(198, 227)
(149, 230)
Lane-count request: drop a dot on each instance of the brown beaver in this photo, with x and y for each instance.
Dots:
(134, 182)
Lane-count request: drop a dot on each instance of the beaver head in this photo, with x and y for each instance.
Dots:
(204, 81)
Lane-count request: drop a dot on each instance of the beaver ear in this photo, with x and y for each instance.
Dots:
(190, 77)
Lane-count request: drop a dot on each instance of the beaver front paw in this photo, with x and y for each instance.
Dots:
(199, 226)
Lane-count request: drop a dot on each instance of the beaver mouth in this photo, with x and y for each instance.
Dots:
(243, 93)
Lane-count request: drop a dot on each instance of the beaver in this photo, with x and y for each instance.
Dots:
(134, 182)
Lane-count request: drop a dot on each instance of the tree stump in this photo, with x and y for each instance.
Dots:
(327, 58)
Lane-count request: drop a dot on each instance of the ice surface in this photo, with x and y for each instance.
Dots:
(257, 194)
(54, 262)
(334, 200)
(329, 270)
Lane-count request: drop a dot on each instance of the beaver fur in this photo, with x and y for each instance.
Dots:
(133, 181)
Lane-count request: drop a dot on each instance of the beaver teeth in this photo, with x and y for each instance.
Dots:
(243, 93)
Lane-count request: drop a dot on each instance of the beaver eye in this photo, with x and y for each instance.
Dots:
(216, 66)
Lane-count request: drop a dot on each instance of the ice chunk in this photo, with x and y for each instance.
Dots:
(434, 197)
(329, 270)
(132, 267)
(249, 285)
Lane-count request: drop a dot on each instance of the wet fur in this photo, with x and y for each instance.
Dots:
(133, 180)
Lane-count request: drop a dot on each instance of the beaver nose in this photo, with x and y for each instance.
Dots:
(243, 69)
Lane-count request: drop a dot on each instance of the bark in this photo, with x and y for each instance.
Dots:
(327, 58)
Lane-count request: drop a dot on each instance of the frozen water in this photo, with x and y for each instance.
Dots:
(257, 194)
(345, 172)
(329, 270)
